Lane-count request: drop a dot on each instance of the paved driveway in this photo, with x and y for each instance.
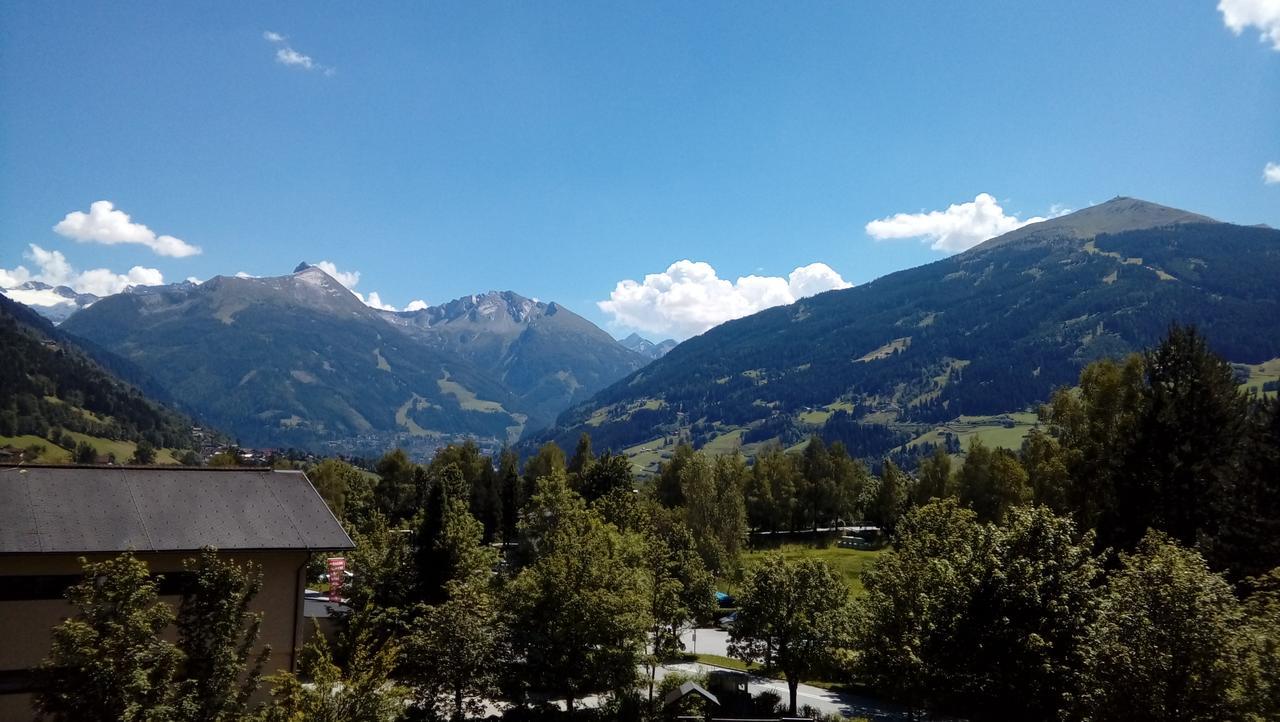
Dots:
(706, 640)
(825, 701)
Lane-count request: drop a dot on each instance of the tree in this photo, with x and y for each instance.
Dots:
(891, 499)
(397, 494)
(144, 454)
(1189, 441)
(547, 462)
(578, 612)
(1246, 540)
(452, 654)
(669, 486)
(217, 633)
(336, 481)
(1165, 646)
(109, 662)
(992, 481)
(449, 544)
(714, 508)
(603, 475)
(385, 579)
(800, 610)
(984, 621)
(1094, 429)
(935, 477)
(366, 694)
(771, 490)
(189, 458)
(1047, 474)
(582, 457)
(85, 453)
(513, 491)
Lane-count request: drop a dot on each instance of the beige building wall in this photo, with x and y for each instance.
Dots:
(25, 625)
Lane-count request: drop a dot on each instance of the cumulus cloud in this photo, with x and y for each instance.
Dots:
(689, 297)
(1239, 15)
(53, 268)
(1271, 173)
(416, 305)
(286, 55)
(106, 224)
(961, 226)
(347, 278)
(350, 279)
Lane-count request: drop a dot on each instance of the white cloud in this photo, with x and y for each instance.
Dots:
(350, 279)
(286, 55)
(375, 301)
(1264, 15)
(416, 305)
(689, 298)
(961, 226)
(245, 274)
(107, 225)
(54, 269)
(346, 278)
(1271, 173)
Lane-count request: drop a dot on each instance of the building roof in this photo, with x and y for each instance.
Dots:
(687, 689)
(84, 509)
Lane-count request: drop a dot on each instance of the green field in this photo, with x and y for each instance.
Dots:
(849, 563)
(992, 430)
(54, 454)
(1261, 373)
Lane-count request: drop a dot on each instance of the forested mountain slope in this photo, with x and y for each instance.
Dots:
(48, 378)
(993, 329)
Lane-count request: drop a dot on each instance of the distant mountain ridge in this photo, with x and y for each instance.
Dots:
(647, 348)
(299, 360)
(990, 330)
(547, 355)
(55, 303)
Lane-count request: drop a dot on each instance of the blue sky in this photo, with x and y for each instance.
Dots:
(556, 149)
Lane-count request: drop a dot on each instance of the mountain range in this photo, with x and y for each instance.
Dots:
(299, 360)
(55, 303)
(647, 348)
(991, 330)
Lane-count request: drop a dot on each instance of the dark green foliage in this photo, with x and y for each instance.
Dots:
(984, 621)
(47, 378)
(668, 487)
(605, 475)
(793, 615)
(85, 453)
(1188, 443)
(1167, 645)
(108, 663)
(402, 488)
(992, 481)
(144, 454)
(217, 633)
(578, 612)
(893, 494)
(320, 692)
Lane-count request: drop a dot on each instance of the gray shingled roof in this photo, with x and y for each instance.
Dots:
(109, 509)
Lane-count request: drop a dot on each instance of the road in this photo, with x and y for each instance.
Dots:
(716, 641)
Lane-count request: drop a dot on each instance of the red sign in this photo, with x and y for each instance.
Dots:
(337, 569)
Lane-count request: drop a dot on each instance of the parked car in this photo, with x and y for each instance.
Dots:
(725, 601)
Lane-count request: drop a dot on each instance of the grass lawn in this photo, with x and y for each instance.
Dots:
(54, 454)
(848, 563)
